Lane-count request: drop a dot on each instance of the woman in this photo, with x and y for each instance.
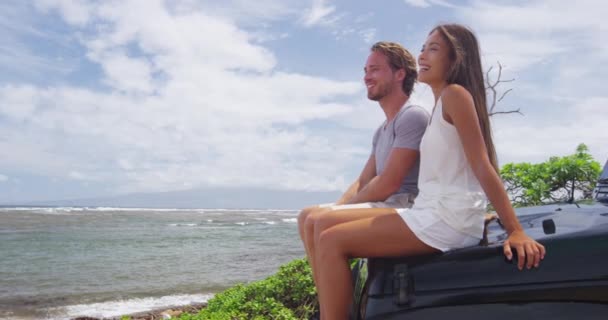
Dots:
(458, 165)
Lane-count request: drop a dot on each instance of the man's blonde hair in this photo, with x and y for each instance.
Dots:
(399, 58)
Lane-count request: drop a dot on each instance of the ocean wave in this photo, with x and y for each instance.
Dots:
(140, 209)
(253, 210)
(44, 210)
(104, 209)
(123, 307)
(246, 223)
(20, 208)
(183, 224)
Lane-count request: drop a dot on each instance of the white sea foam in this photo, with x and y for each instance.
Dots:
(290, 220)
(139, 209)
(21, 208)
(42, 210)
(183, 224)
(199, 210)
(57, 211)
(123, 307)
(270, 222)
(64, 210)
(254, 210)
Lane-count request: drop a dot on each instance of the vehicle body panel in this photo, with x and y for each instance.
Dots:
(572, 277)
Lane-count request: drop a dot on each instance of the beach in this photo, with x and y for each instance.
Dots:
(65, 263)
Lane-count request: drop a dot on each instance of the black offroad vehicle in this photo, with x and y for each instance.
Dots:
(479, 283)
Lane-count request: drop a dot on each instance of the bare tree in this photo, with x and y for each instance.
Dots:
(492, 87)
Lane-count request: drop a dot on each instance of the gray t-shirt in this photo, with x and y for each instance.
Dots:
(404, 131)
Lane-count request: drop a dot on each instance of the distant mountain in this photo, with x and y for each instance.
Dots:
(229, 198)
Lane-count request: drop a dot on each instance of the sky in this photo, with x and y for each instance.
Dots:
(101, 98)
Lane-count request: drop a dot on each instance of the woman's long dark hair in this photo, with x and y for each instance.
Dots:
(466, 71)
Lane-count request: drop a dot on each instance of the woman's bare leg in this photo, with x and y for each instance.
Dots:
(304, 213)
(325, 217)
(329, 218)
(382, 235)
(306, 222)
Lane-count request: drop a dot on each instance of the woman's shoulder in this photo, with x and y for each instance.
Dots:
(456, 96)
(455, 92)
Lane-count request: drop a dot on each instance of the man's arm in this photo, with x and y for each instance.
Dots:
(368, 173)
(380, 187)
(404, 154)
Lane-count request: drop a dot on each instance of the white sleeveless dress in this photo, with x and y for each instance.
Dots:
(449, 211)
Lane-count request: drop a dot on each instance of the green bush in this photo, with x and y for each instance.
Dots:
(288, 295)
(559, 179)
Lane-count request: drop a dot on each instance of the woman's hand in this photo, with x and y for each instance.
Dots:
(528, 250)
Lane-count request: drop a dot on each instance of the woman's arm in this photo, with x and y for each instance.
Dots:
(459, 109)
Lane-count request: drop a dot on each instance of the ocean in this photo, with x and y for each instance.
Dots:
(60, 263)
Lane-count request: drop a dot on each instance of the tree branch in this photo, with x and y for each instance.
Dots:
(506, 112)
(504, 94)
(492, 87)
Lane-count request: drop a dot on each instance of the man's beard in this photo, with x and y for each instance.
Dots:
(382, 91)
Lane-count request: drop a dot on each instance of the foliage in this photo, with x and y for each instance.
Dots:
(289, 294)
(556, 180)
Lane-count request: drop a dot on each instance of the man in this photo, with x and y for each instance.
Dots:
(390, 176)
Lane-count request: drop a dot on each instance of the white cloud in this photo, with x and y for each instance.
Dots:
(16, 57)
(318, 14)
(340, 24)
(3, 178)
(192, 93)
(34, 150)
(533, 32)
(17, 102)
(127, 74)
(540, 16)
(557, 54)
(518, 52)
(428, 3)
(206, 40)
(77, 175)
(535, 138)
(418, 3)
(73, 11)
(368, 35)
(191, 101)
(250, 13)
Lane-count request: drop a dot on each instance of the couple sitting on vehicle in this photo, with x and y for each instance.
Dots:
(445, 161)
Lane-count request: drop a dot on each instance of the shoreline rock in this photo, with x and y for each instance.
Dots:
(163, 313)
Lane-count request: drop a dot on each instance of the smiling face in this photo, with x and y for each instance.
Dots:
(379, 78)
(434, 60)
